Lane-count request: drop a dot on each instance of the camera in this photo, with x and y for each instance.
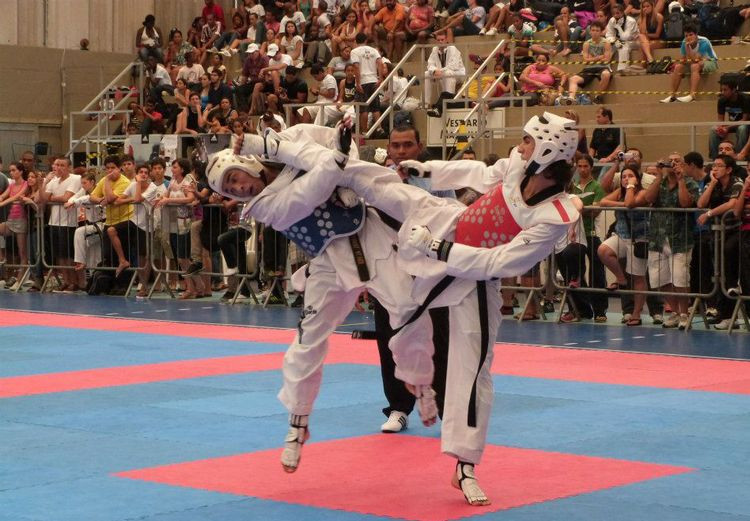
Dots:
(664, 164)
(624, 156)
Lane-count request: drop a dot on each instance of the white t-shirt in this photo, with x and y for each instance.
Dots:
(367, 58)
(298, 18)
(282, 58)
(161, 76)
(59, 216)
(143, 210)
(329, 82)
(178, 190)
(191, 74)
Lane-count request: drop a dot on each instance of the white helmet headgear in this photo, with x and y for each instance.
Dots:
(555, 139)
(221, 162)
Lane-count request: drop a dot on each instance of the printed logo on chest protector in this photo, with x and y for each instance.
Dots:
(487, 222)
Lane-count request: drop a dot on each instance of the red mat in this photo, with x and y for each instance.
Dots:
(607, 367)
(419, 489)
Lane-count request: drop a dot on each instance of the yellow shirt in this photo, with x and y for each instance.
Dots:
(472, 91)
(115, 214)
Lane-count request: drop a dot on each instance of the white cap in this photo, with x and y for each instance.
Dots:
(252, 48)
(675, 5)
(221, 162)
(272, 50)
(555, 139)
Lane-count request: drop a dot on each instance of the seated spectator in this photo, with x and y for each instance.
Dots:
(605, 142)
(291, 14)
(629, 241)
(249, 7)
(215, 123)
(732, 105)
(158, 82)
(337, 65)
(216, 63)
(218, 90)
(503, 87)
(190, 120)
(272, 23)
(599, 16)
(622, 33)
(177, 50)
(568, 31)
(149, 40)
(256, 33)
(191, 72)
(343, 35)
(181, 92)
(445, 67)
(210, 33)
(522, 32)
(17, 222)
(205, 86)
(497, 18)
(153, 119)
(420, 22)
(291, 44)
(194, 33)
(543, 80)
(671, 237)
(698, 57)
(87, 239)
(271, 37)
(226, 112)
(315, 42)
(327, 92)
(468, 22)
(585, 12)
(238, 30)
(292, 89)
(278, 62)
(365, 13)
(720, 197)
(597, 53)
(650, 28)
(388, 29)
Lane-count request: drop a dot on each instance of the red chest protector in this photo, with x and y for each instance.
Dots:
(488, 222)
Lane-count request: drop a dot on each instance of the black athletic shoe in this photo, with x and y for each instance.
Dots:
(194, 268)
(345, 139)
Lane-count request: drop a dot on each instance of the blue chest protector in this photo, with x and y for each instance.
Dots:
(328, 221)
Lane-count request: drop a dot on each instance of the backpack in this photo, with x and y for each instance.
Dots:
(100, 283)
(674, 27)
(742, 79)
(719, 24)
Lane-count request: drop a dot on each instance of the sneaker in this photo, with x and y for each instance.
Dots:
(668, 99)
(671, 321)
(569, 317)
(683, 323)
(686, 99)
(600, 319)
(482, 32)
(567, 101)
(226, 52)
(724, 325)
(492, 31)
(734, 292)
(625, 318)
(194, 268)
(658, 319)
(396, 422)
(433, 113)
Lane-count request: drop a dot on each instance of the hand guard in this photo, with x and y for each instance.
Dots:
(415, 168)
(347, 196)
(421, 239)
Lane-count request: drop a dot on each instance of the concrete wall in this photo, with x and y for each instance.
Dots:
(109, 25)
(42, 86)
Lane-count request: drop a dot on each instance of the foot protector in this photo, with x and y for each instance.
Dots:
(465, 480)
(426, 404)
(296, 437)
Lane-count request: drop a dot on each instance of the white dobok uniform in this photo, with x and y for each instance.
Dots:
(333, 283)
(498, 236)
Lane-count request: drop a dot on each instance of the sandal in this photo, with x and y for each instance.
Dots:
(465, 480)
(187, 295)
(633, 322)
(616, 286)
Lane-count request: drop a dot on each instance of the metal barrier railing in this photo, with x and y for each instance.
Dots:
(21, 245)
(735, 248)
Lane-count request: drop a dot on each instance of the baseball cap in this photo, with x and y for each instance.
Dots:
(252, 48)
(272, 50)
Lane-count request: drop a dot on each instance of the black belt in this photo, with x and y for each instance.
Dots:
(484, 339)
(432, 295)
(359, 258)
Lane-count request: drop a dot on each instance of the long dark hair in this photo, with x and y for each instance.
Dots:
(560, 171)
(21, 168)
(638, 176)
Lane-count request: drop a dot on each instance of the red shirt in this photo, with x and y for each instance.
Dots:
(218, 13)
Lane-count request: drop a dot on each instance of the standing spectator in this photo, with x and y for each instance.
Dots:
(420, 22)
(212, 9)
(254, 63)
(149, 40)
(590, 192)
(337, 65)
(702, 259)
(445, 67)
(59, 186)
(628, 241)
(671, 237)
(720, 197)
(742, 212)
(733, 105)
(698, 57)
(650, 28)
(622, 33)
(606, 143)
(596, 54)
(87, 240)
(389, 26)
(369, 72)
(17, 222)
(327, 92)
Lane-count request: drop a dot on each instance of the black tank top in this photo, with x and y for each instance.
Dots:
(192, 120)
(350, 89)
